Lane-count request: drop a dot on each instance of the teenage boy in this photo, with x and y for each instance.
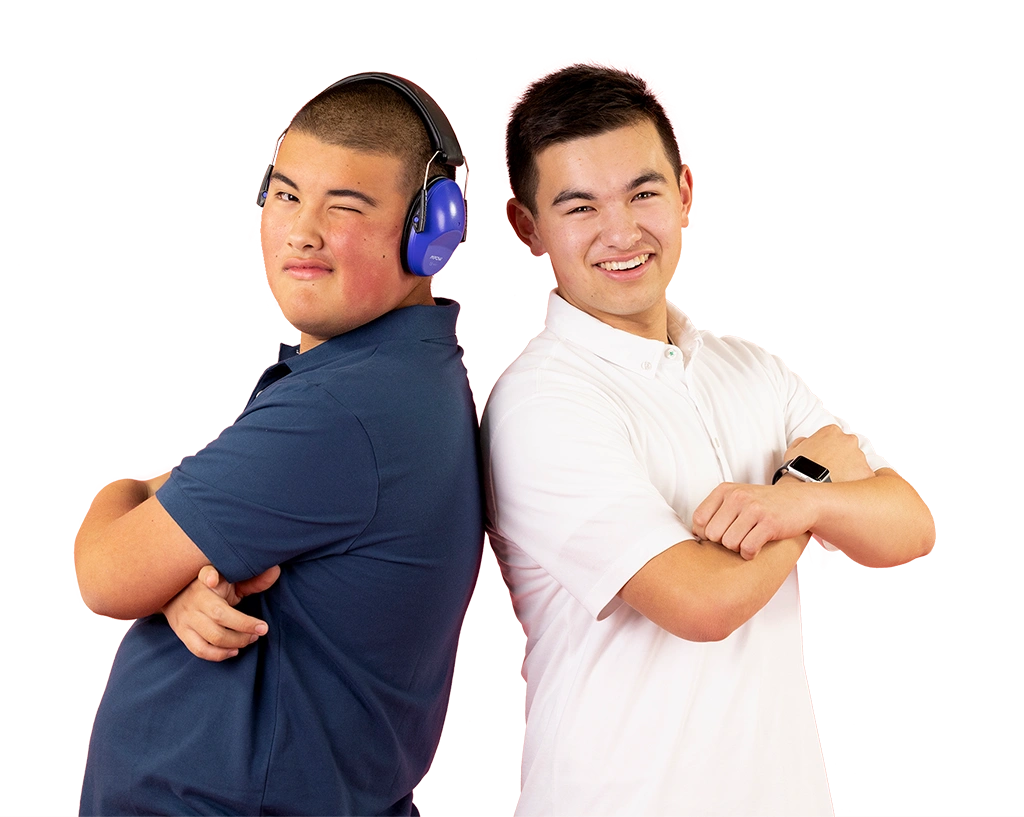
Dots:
(353, 467)
(650, 488)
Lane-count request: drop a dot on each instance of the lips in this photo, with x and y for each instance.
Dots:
(628, 269)
(306, 269)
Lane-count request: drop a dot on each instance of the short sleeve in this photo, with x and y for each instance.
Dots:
(295, 475)
(565, 488)
(804, 412)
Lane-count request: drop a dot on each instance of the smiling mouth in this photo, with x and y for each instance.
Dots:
(620, 266)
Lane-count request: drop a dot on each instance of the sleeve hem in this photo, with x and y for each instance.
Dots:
(602, 600)
(202, 532)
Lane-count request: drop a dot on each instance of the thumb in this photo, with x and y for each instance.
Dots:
(257, 584)
(209, 576)
(223, 588)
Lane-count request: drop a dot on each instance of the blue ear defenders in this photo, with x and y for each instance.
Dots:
(436, 222)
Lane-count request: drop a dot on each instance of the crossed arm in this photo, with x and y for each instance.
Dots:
(703, 591)
(132, 558)
(697, 590)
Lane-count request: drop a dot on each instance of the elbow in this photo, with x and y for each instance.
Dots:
(923, 542)
(711, 632)
(105, 604)
(98, 591)
(711, 619)
(96, 598)
(926, 542)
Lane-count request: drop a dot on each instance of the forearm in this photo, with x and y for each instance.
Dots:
(701, 591)
(879, 522)
(130, 557)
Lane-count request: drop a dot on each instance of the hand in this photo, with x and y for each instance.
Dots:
(744, 518)
(836, 450)
(204, 617)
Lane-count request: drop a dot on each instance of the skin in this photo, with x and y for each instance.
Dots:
(331, 233)
(609, 200)
(331, 236)
(613, 198)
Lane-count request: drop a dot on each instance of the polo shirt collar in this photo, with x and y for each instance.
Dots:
(407, 323)
(621, 348)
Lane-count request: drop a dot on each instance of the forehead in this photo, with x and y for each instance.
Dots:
(316, 166)
(602, 163)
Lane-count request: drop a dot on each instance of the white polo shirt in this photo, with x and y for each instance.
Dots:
(598, 447)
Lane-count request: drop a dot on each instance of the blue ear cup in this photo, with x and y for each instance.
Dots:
(432, 236)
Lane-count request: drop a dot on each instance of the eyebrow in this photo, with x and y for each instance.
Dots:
(343, 192)
(582, 195)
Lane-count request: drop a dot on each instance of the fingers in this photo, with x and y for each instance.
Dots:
(836, 450)
(744, 518)
(226, 628)
(706, 511)
(201, 648)
(728, 514)
(791, 451)
(206, 622)
(223, 625)
(257, 584)
(747, 534)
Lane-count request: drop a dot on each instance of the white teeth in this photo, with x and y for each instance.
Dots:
(618, 266)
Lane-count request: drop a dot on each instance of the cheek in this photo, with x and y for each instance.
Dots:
(270, 241)
(567, 246)
(375, 249)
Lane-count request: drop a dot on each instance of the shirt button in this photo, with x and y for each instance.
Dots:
(646, 365)
(671, 353)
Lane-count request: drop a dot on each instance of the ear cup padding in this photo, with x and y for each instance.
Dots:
(444, 224)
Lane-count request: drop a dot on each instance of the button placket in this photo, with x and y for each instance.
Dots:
(708, 418)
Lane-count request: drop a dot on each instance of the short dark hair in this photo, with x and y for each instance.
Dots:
(375, 118)
(574, 102)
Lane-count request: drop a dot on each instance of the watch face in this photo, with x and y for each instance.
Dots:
(809, 468)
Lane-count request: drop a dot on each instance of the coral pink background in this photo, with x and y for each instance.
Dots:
(866, 222)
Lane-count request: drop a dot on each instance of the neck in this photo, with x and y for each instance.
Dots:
(651, 323)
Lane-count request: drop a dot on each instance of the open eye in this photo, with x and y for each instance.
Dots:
(284, 195)
(646, 194)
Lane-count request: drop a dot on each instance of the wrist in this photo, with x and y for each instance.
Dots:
(809, 500)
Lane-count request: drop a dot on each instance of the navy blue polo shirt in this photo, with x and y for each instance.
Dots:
(354, 467)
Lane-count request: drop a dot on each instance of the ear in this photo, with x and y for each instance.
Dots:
(686, 192)
(522, 221)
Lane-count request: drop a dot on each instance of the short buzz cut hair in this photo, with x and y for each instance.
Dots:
(572, 103)
(372, 117)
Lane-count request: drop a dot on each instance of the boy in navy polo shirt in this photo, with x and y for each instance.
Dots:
(353, 467)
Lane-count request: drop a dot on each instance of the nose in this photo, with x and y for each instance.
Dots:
(619, 228)
(305, 233)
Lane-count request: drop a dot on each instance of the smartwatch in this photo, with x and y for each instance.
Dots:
(803, 469)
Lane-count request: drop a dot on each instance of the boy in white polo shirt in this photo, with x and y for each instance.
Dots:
(650, 488)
